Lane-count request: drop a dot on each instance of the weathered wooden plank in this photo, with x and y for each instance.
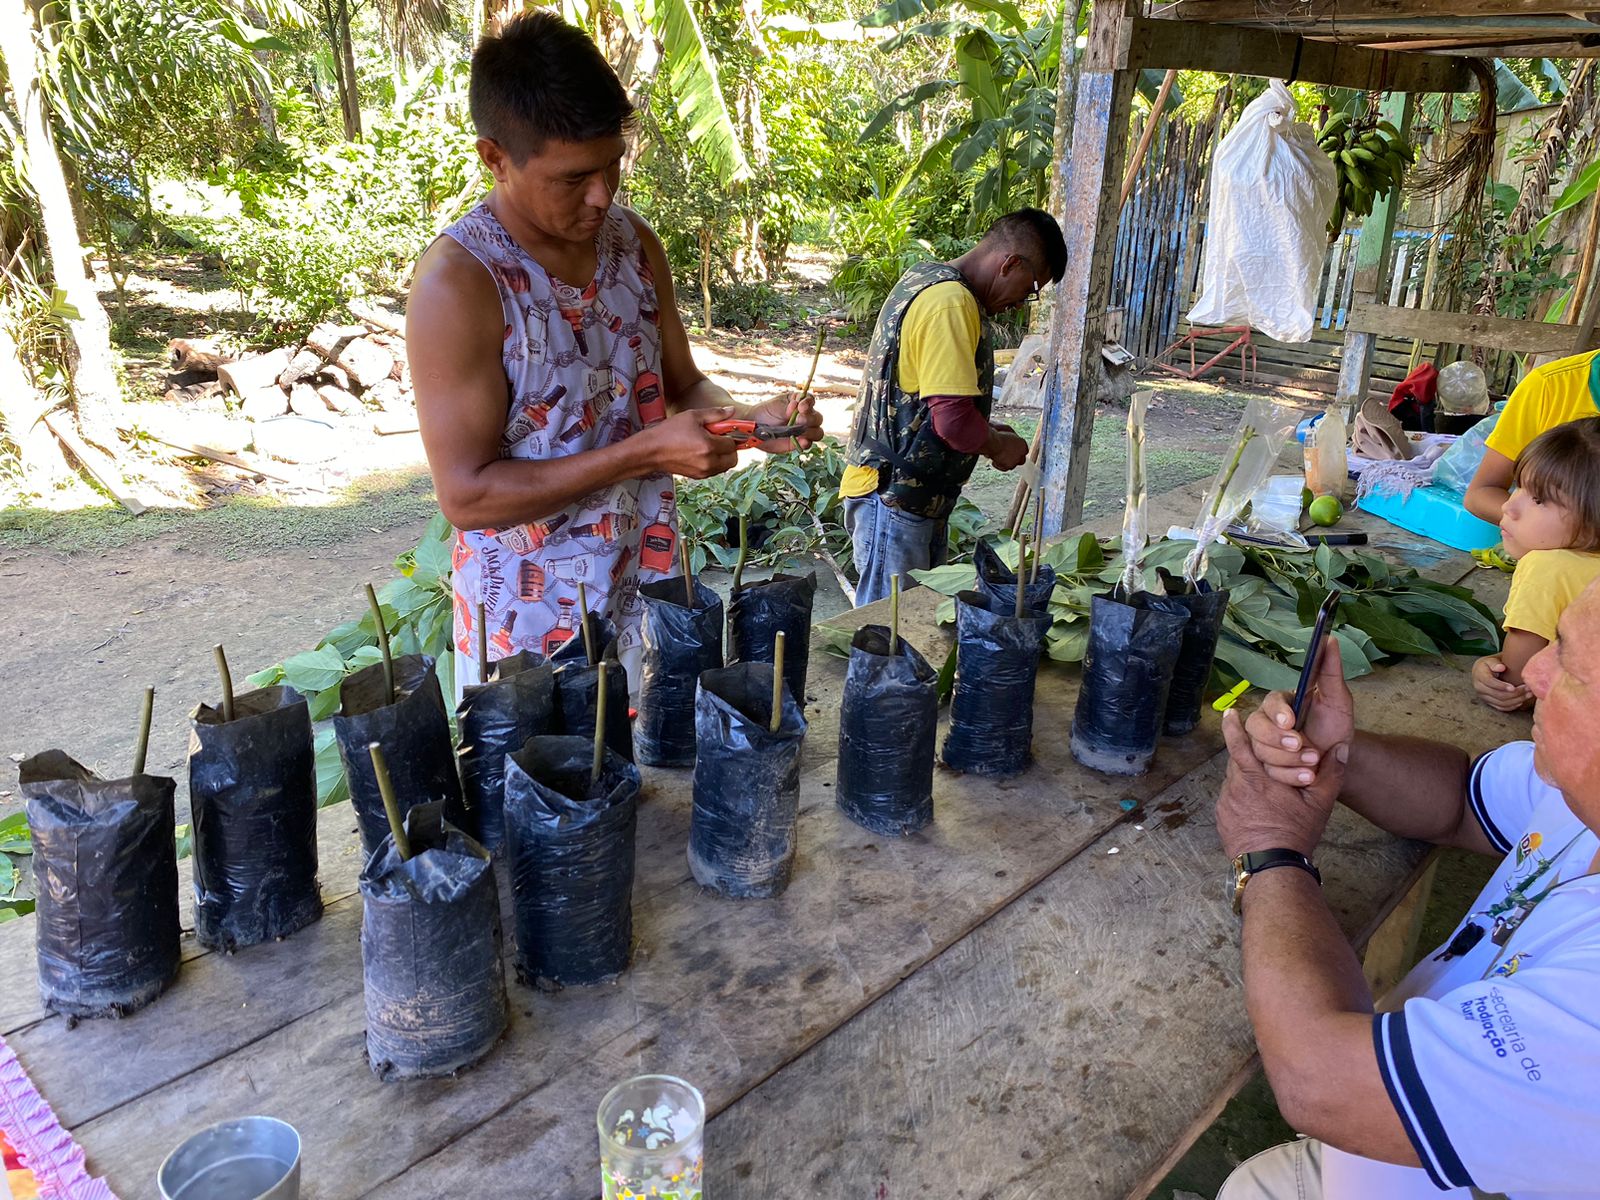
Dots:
(1328, 12)
(1072, 1041)
(339, 864)
(1199, 46)
(1468, 329)
(755, 982)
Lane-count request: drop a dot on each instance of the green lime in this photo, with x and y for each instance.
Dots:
(1326, 510)
(1306, 497)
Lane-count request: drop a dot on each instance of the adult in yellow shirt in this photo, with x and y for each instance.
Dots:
(922, 415)
(1551, 395)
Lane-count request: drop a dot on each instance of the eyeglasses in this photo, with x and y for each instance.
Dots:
(1033, 273)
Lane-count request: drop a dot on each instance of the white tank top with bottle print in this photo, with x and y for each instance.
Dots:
(583, 370)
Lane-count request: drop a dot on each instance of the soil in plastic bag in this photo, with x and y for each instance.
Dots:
(888, 719)
(679, 643)
(1000, 581)
(253, 792)
(1127, 675)
(1192, 672)
(759, 610)
(414, 732)
(577, 688)
(991, 710)
(496, 718)
(570, 845)
(433, 979)
(746, 783)
(106, 868)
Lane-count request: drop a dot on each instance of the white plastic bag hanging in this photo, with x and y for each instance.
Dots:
(1272, 188)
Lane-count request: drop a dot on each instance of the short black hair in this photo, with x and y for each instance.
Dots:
(539, 79)
(1029, 231)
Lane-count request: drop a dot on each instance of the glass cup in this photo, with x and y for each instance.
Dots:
(652, 1135)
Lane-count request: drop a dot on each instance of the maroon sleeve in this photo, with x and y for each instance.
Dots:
(958, 423)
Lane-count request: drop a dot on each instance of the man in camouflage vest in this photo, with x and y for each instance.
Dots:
(922, 417)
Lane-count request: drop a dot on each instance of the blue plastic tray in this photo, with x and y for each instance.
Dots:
(1437, 513)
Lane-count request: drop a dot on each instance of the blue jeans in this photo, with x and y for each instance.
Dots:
(886, 542)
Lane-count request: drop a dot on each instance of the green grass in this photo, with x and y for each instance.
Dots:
(236, 529)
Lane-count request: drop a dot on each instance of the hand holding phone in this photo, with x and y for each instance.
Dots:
(1314, 652)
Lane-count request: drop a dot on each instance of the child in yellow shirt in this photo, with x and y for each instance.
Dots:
(1551, 526)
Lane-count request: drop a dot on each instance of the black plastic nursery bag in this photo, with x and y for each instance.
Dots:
(414, 733)
(1192, 671)
(758, 611)
(746, 783)
(991, 710)
(495, 718)
(1127, 674)
(1000, 581)
(679, 643)
(253, 793)
(106, 868)
(433, 980)
(888, 718)
(570, 843)
(577, 688)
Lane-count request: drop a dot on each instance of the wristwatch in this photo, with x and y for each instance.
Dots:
(1247, 865)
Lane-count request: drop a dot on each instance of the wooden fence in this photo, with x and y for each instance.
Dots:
(1156, 269)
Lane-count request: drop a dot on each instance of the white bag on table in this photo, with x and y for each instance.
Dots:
(1272, 190)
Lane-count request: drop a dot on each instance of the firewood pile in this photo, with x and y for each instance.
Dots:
(295, 403)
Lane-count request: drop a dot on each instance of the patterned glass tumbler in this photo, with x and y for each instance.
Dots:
(652, 1136)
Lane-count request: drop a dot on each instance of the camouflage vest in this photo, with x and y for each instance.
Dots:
(917, 472)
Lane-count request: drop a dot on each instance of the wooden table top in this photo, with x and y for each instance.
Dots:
(1038, 993)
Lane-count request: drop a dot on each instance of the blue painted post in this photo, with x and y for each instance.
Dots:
(1371, 262)
(1091, 189)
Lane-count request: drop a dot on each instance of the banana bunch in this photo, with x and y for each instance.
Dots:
(1370, 159)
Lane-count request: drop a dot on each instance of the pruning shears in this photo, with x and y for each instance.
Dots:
(753, 433)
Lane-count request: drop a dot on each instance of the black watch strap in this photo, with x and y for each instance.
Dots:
(1248, 865)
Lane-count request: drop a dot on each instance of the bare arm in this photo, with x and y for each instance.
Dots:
(454, 328)
(1519, 648)
(1412, 787)
(1491, 486)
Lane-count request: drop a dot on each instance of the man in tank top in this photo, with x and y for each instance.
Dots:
(555, 387)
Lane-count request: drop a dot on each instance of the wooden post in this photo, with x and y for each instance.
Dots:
(1090, 195)
(1372, 255)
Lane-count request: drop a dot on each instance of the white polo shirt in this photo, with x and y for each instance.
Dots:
(1492, 1056)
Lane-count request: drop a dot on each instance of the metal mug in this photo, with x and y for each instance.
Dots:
(252, 1158)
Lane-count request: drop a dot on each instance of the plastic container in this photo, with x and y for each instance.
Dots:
(1435, 512)
(1326, 456)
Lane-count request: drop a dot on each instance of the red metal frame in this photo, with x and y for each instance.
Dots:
(1241, 343)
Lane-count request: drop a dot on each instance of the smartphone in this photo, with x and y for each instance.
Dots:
(1314, 652)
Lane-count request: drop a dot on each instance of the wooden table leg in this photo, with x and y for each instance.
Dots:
(1392, 948)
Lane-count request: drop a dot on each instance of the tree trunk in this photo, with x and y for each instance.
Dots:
(705, 277)
(44, 467)
(352, 89)
(94, 375)
(336, 29)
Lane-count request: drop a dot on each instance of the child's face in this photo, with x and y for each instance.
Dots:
(1529, 524)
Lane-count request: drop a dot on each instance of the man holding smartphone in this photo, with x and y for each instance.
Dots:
(1478, 1071)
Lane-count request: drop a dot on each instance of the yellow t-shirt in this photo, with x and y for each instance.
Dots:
(1545, 582)
(938, 357)
(1551, 395)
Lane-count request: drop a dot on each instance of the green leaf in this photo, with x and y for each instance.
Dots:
(948, 580)
(183, 835)
(15, 836)
(314, 670)
(977, 56)
(692, 71)
(836, 640)
(947, 676)
(947, 612)
(10, 910)
(1251, 664)
(62, 308)
(270, 677)
(8, 876)
(332, 786)
(1071, 643)
(323, 704)
(1392, 633)
(433, 561)
(895, 12)
(906, 100)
